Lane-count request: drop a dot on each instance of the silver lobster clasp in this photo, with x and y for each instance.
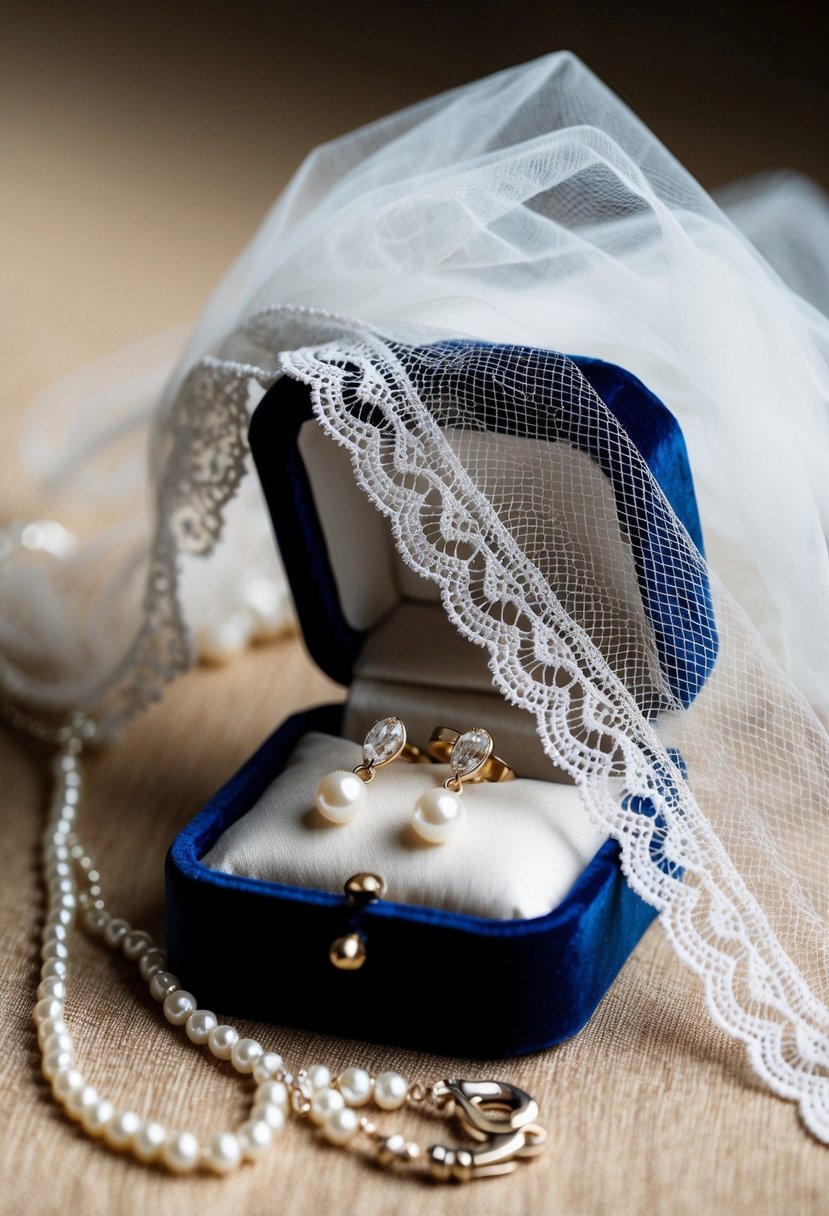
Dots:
(500, 1117)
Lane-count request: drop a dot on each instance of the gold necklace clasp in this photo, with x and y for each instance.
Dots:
(508, 1134)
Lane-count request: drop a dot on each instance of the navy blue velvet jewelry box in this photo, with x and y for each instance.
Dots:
(534, 982)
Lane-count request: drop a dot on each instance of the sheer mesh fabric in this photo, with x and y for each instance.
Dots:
(533, 209)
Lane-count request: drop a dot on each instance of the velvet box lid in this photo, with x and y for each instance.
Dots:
(550, 972)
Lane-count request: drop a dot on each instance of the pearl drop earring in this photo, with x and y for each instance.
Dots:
(439, 812)
(341, 795)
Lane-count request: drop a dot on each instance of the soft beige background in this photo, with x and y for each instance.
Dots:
(138, 151)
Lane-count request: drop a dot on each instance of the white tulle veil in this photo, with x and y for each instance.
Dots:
(531, 208)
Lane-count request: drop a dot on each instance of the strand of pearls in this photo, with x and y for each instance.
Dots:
(74, 895)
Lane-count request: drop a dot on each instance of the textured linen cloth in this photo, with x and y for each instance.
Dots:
(650, 1109)
(649, 1061)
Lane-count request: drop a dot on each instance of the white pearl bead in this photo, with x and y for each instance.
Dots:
(136, 943)
(341, 1126)
(221, 1041)
(324, 1103)
(97, 1117)
(66, 1082)
(255, 1138)
(244, 1054)
(53, 949)
(48, 1027)
(54, 967)
(115, 931)
(149, 1140)
(53, 987)
(180, 1152)
(121, 1129)
(319, 1077)
(199, 1025)
(226, 640)
(95, 920)
(81, 1101)
(54, 1061)
(390, 1090)
(162, 984)
(266, 1112)
(151, 963)
(59, 1041)
(437, 815)
(49, 1007)
(340, 796)
(223, 1154)
(267, 1066)
(268, 603)
(355, 1086)
(273, 1092)
(178, 1005)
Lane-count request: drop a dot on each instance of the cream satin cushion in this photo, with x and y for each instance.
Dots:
(519, 851)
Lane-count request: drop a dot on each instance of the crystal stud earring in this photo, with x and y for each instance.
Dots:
(341, 795)
(439, 812)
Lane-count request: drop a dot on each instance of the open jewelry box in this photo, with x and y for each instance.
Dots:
(503, 941)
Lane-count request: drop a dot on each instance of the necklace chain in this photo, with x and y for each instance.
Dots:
(75, 897)
(312, 1095)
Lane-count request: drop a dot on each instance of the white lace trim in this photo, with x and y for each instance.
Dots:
(753, 990)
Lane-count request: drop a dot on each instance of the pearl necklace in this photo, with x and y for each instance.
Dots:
(74, 895)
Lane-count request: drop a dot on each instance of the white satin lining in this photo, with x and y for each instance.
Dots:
(520, 849)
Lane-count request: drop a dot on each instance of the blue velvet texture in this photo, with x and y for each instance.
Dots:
(260, 949)
(675, 591)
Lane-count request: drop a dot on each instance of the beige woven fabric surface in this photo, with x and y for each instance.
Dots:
(119, 229)
(650, 1109)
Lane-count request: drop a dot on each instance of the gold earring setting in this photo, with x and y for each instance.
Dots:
(341, 795)
(439, 812)
(443, 739)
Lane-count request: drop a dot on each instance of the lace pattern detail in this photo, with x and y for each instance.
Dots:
(547, 656)
(544, 661)
(534, 207)
(204, 455)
